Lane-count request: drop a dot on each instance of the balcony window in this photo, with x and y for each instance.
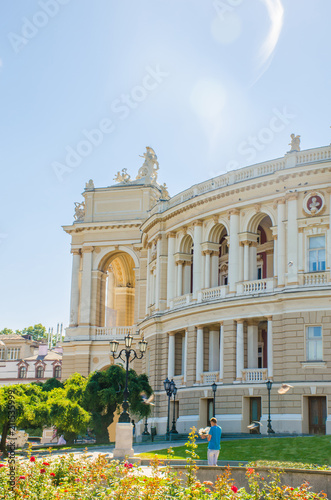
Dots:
(316, 253)
(314, 344)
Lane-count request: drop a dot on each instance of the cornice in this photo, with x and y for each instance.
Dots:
(75, 228)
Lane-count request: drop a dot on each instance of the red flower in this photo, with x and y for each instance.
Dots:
(32, 459)
(234, 488)
(2, 465)
(45, 463)
(250, 471)
(208, 491)
(127, 465)
(42, 471)
(77, 480)
(22, 477)
(52, 474)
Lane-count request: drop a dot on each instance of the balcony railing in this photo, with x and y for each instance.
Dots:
(216, 293)
(315, 279)
(209, 378)
(181, 301)
(104, 333)
(256, 286)
(179, 380)
(255, 375)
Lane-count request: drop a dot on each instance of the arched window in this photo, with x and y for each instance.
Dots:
(57, 372)
(22, 372)
(40, 372)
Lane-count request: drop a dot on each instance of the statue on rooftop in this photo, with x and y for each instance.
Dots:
(89, 185)
(79, 211)
(150, 165)
(295, 143)
(164, 192)
(122, 176)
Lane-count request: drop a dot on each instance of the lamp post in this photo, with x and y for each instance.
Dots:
(169, 388)
(173, 428)
(269, 428)
(214, 387)
(125, 355)
(145, 433)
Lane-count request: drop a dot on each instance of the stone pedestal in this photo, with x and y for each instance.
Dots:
(123, 444)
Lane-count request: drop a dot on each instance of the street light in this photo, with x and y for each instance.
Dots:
(169, 387)
(127, 352)
(214, 387)
(173, 428)
(269, 428)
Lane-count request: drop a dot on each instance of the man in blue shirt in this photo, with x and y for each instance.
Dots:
(214, 441)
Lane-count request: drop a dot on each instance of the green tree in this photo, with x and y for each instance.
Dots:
(25, 404)
(104, 395)
(6, 331)
(38, 332)
(50, 384)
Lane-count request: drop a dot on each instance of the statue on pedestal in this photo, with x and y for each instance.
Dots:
(79, 211)
(295, 143)
(150, 165)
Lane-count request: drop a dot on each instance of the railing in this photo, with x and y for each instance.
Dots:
(179, 380)
(180, 301)
(114, 332)
(255, 375)
(315, 279)
(216, 293)
(242, 174)
(209, 377)
(256, 286)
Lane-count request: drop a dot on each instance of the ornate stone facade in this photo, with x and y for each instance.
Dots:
(228, 281)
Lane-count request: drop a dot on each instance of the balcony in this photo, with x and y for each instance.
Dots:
(255, 375)
(118, 332)
(217, 293)
(314, 279)
(209, 378)
(256, 286)
(181, 301)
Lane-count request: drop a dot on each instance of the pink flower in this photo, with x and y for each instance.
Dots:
(77, 480)
(32, 459)
(127, 465)
(234, 488)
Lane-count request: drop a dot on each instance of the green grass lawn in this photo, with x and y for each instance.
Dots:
(310, 449)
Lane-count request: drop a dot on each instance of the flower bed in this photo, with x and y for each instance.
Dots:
(67, 477)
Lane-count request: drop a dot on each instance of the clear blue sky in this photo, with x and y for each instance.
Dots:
(224, 71)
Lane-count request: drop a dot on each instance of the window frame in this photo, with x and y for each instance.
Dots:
(309, 250)
(307, 342)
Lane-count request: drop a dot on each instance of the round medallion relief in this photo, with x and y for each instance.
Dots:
(95, 360)
(313, 203)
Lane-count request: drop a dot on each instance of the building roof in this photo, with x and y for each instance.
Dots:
(50, 356)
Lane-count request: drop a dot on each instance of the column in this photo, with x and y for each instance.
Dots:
(179, 278)
(214, 350)
(186, 277)
(234, 250)
(252, 345)
(270, 349)
(74, 300)
(292, 240)
(185, 355)
(199, 354)
(171, 269)
(171, 356)
(214, 269)
(275, 255)
(300, 250)
(207, 254)
(221, 367)
(148, 281)
(253, 263)
(328, 248)
(197, 257)
(85, 300)
(281, 242)
(246, 261)
(241, 262)
(110, 300)
(240, 349)
(158, 273)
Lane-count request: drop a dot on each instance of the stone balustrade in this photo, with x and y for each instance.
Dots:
(254, 375)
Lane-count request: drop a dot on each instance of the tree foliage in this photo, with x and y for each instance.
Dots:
(38, 332)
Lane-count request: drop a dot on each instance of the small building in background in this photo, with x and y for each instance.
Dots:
(24, 360)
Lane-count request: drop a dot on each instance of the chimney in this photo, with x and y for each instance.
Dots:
(43, 349)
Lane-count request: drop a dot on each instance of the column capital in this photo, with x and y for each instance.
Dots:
(171, 334)
(281, 201)
(87, 249)
(269, 318)
(76, 251)
(198, 222)
(180, 262)
(234, 211)
(300, 229)
(291, 196)
(240, 321)
(171, 234)
(207, 252)
(199, 327)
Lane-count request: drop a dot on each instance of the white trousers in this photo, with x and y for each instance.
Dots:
(213, 456)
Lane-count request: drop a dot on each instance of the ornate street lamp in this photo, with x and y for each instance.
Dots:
(269, 428)
(145, 433)
(169, 387)
(125, 355)
(214, 388)
(173, 428)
